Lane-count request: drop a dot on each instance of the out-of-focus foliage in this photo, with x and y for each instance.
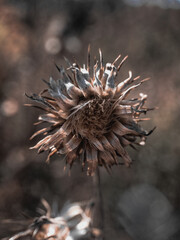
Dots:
(174, 4)
(147, 214)
(34, 35)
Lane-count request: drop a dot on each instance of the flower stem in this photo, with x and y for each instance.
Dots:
(98, 221)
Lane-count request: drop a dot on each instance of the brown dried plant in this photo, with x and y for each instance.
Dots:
(91, 119)
(73, 222)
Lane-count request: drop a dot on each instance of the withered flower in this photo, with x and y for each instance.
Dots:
(45, 227)
(73, 222)
(91, 117)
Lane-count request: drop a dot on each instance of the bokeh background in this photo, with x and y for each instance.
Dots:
(142, 202)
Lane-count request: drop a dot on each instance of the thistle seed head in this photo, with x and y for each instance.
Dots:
(91, 118)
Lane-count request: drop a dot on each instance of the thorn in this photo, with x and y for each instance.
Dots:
(88, 58)
(118, 57)
(27, 105)
(121, 63)
(136, 78)
(68, 62)
(101, 58)
(45, 81)
(151, 131)
(58, 68)
(28, 96)
(144, 80)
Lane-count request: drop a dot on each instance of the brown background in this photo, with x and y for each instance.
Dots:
(142, 202)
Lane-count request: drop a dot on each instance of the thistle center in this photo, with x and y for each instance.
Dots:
(93, 118)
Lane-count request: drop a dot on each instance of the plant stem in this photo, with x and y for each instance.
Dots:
(98, 220)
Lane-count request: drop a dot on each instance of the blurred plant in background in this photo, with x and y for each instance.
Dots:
(72, 223)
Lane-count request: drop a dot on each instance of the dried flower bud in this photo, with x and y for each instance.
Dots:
(91, 118)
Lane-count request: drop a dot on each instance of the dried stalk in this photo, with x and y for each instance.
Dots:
(98, 219)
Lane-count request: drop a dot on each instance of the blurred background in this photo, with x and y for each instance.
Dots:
(142, 202)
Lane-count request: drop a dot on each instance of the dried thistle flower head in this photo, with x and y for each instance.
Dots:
(91, 118)
(73, 222)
